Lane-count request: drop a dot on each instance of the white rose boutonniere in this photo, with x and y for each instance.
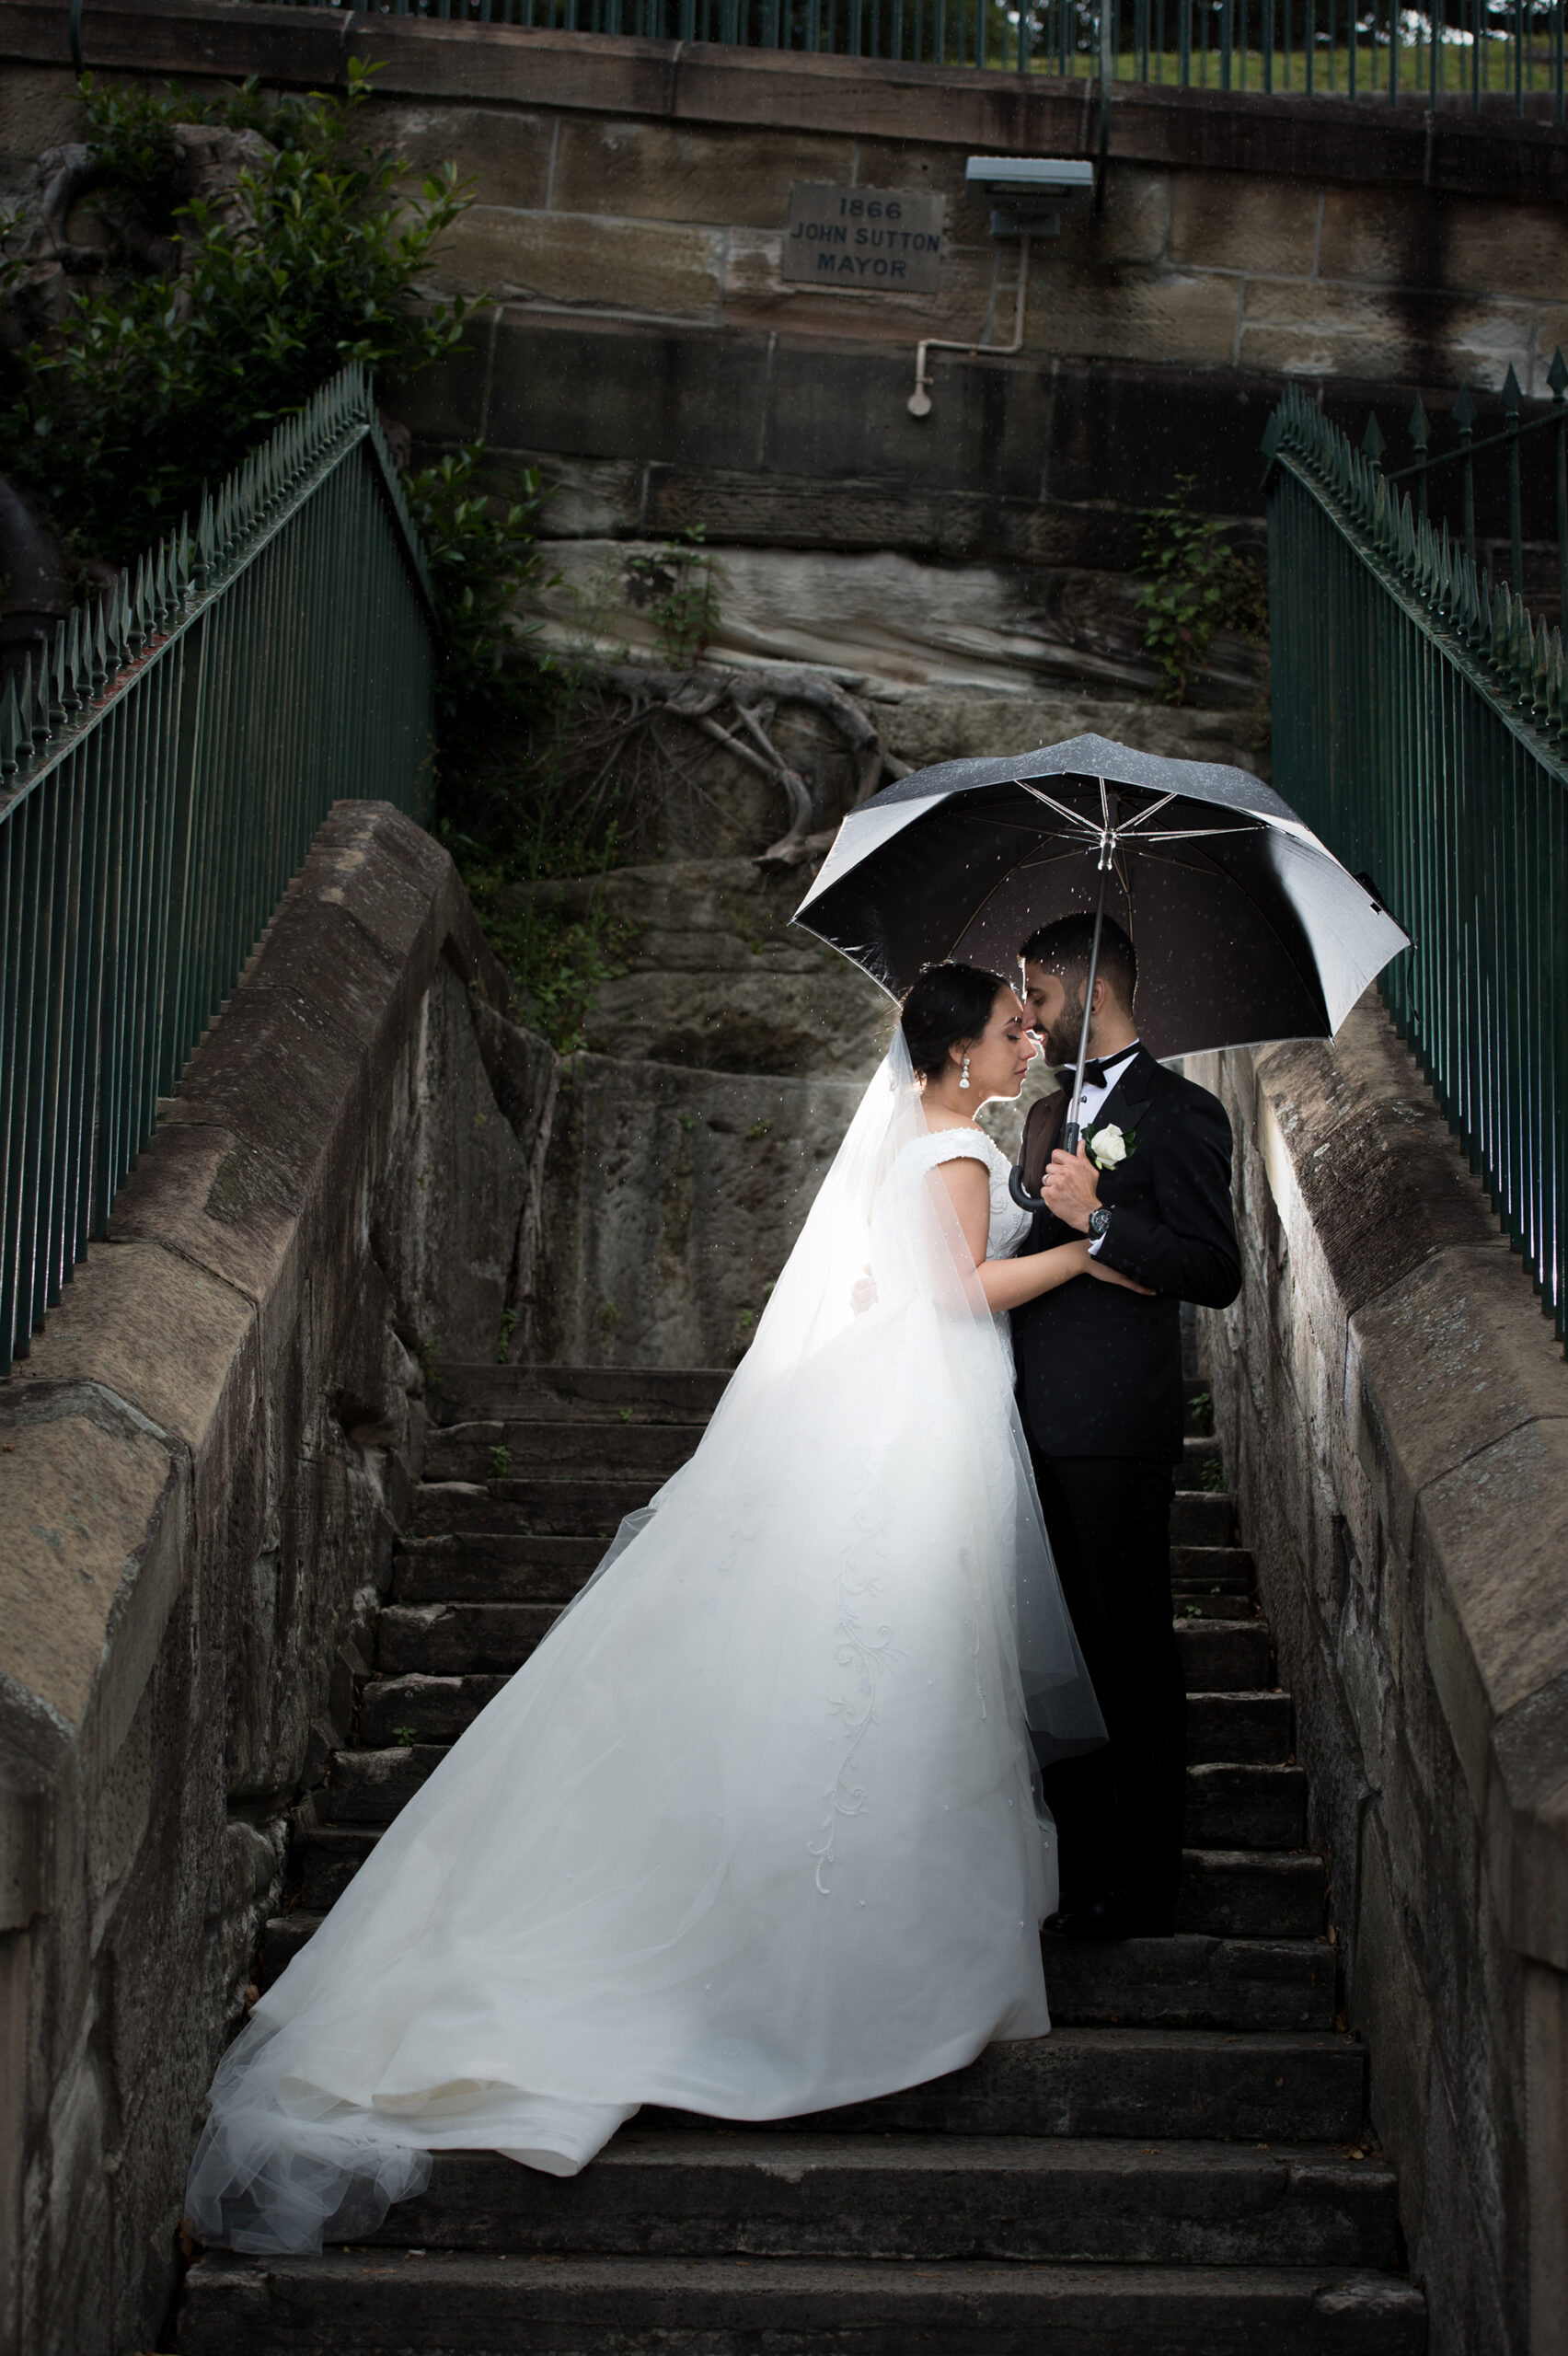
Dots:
(1110, 1146)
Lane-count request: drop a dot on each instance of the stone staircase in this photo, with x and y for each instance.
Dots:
(1181, 2168)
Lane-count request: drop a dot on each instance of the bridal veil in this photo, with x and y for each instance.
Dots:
(756, 1831)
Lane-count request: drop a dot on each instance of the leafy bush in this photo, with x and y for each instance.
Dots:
(1200, 585)
(160, 381)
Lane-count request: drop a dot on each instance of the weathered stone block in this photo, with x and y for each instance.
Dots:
(77, 1503)
(1187, 316)
(1444, 1360)
(661, 171)
(1270, 227)
(503, 157)
(662, 270)
(1312, 328)
(39, 108)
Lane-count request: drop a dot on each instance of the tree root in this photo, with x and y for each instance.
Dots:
(750, 700)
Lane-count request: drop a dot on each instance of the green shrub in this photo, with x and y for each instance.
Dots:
(159, 382)
(1199, 586)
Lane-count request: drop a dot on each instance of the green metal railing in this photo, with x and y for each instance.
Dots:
(1421, 726)
(160, 782)
(1457, 53)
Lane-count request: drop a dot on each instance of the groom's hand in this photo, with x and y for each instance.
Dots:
(1072, 1188)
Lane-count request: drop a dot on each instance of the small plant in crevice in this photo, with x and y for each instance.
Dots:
(405, 1736)
(677, 586)
(500, 1463)
(504, 1337)
(1198, 585)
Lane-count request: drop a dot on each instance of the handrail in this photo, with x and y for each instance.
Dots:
(1459, 53)
(1421, 726)
(161, 778)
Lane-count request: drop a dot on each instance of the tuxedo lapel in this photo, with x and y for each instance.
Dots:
(1128, 1101)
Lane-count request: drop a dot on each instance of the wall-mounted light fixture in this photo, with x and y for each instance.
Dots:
(1032, 193)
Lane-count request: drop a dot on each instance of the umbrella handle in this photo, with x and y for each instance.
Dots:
(1020, 1193)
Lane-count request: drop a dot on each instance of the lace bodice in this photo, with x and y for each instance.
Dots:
(1008, 1225)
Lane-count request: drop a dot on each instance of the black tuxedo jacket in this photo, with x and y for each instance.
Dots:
(1100, 1369)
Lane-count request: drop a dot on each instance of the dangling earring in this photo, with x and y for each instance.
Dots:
(963, 1075)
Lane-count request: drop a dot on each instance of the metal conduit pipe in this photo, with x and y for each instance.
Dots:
(919, 402)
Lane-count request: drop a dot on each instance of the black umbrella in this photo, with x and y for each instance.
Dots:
(1247, 927)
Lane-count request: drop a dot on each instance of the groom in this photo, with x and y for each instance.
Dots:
(1099, 1391)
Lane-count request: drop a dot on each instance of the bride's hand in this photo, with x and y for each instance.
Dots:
(1098, 1268)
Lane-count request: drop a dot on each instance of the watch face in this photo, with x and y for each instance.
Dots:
(1100, 1221)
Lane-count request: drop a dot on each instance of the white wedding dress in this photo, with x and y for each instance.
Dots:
(756, 1831)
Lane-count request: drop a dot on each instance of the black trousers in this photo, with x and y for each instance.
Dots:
(1118, 1810)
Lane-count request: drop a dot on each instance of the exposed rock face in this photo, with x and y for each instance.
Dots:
(883, 620)
(672, 1198)
(930, 725)
(720, 979)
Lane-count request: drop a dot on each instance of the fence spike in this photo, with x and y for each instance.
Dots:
(11, 729)
(101, 643)
(1420, 424)
(1557, 374)
(1372, 440)
(1511, 394)
(75, 662)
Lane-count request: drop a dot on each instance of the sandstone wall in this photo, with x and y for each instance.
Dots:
(1394, 1412)
(646, 350)
(201, 1466)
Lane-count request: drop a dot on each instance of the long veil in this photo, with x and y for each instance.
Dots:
(880, 1273)
(752, 1833)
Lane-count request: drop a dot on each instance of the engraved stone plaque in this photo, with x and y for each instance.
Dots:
(877, 240)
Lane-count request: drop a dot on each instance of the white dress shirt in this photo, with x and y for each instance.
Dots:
(1092, 1101)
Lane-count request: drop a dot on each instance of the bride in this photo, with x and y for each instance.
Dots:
(756, 1831)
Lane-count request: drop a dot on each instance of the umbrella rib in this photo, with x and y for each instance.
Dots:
(1074, 818)
(1140, 818)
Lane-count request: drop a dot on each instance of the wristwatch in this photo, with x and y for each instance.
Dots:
(1098, 1220)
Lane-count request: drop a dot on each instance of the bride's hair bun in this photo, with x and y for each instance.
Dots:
(948, 1003)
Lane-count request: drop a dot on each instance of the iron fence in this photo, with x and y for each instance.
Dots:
(1457, 52)
(160, 782)
(1421, 725)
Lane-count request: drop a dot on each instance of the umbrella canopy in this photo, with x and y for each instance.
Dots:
(1247, 928)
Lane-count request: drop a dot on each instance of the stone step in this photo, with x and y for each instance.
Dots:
(1260, 2085)
(1191, 1981)
(1226, 1656)
(1215, 1607)
(1227, 1894)
(1231, 1807)
(582, 1508)
(1200, 1467)
(1202, 1520)
(376, 2302)
(490, 1451)
(1255, 1728)
(577, 1394)
(451, 1569)
(1239, 1727)
(1197, 1979)
(1204, 1570)
(451, 1639)
(1251, 1894)
(780, 2194)
(454, 1639)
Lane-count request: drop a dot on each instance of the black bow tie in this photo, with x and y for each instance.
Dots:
(1094, 1070)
